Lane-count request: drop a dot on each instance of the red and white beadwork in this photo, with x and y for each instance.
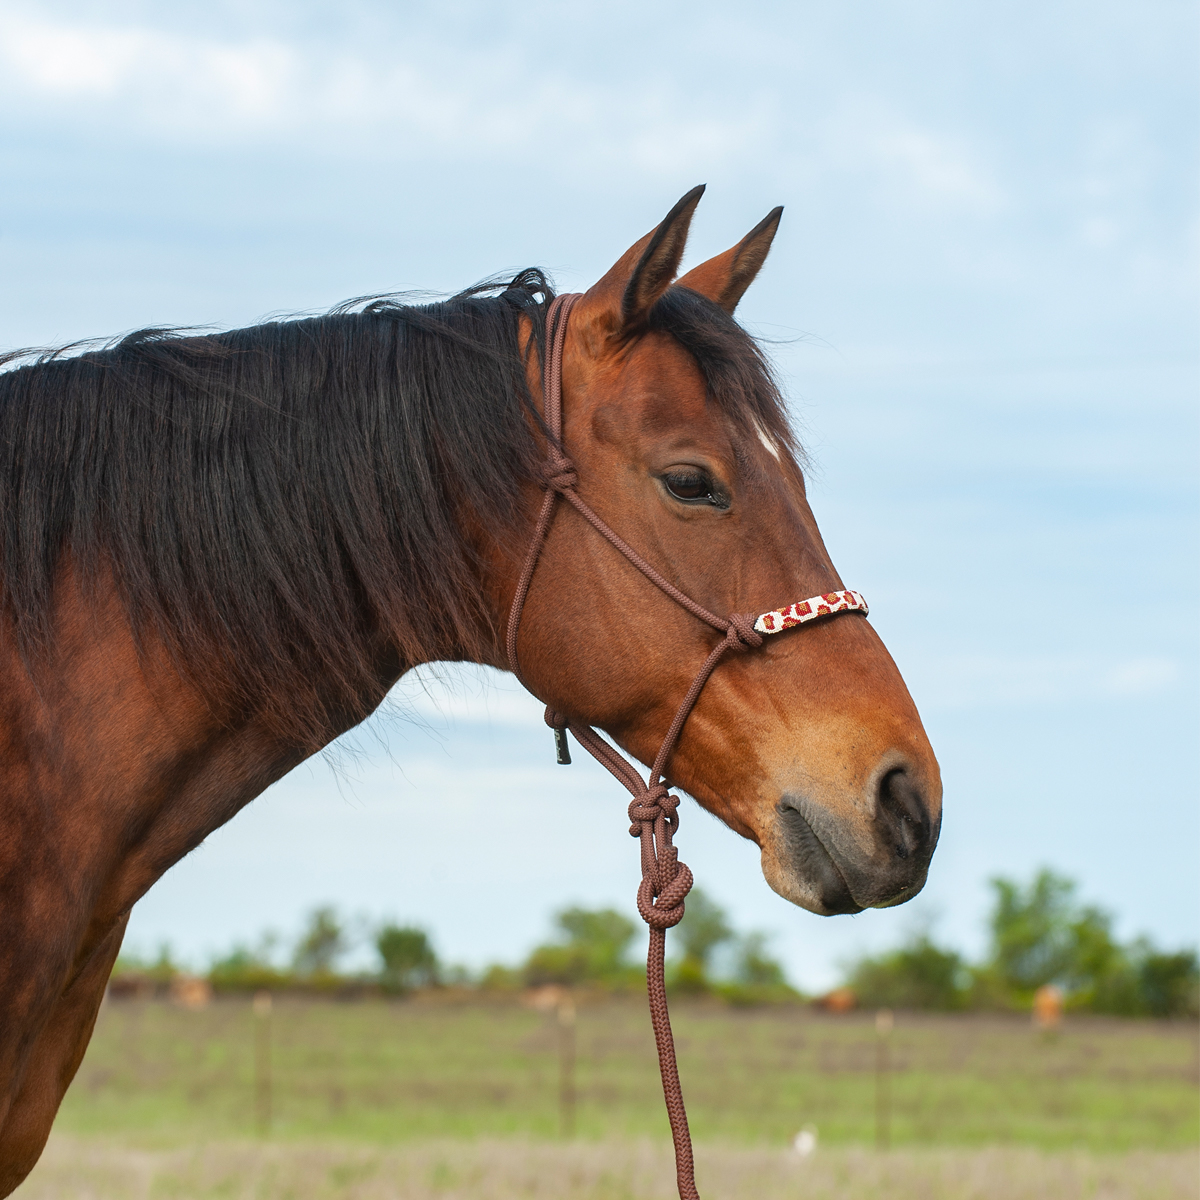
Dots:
(809, 610)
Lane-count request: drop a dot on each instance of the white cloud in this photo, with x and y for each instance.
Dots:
(1140, 677)
(938, 169)
(75, 62)
(913, 162)
(421, 92)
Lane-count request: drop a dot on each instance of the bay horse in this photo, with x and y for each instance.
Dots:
(219, 553)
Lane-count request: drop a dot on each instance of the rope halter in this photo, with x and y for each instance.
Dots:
(653, 813)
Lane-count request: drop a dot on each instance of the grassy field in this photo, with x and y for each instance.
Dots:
(377, 1073)
(490, 1169)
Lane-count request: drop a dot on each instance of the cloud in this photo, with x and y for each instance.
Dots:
(937, 169)
(421, 93)
(228, 81)
(422, 89)
(912, 161)
(1140, 677)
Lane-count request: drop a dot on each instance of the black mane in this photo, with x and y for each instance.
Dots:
(278, 502)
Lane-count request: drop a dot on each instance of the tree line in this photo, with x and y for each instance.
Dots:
(1040, 934)
(590, 949)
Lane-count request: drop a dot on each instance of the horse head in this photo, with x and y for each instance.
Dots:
(811, 745)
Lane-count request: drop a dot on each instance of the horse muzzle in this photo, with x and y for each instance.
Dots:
(841, 859)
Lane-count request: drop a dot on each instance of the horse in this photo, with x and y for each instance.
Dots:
(218, 552)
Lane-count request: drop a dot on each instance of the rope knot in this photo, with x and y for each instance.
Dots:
(667, 803)
(645, 810)
(667, 909)
(741, 634)
(555, 720)
(558, 472)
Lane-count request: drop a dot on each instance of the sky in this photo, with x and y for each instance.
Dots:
(982, 303)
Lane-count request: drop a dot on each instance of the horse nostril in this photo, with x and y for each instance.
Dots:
(902, 814)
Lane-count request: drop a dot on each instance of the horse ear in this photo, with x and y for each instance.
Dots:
(624, 296)
(724, 279)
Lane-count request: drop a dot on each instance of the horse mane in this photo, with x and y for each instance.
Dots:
(281, 505)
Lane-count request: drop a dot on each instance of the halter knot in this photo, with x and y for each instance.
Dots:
(558, 472)
(667, 909)
(645, 810)
(741, 634)
(555, 720)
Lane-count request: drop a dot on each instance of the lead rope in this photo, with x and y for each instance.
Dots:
(654, 811)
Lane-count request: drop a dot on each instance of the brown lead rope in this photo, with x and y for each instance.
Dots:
(654, 812)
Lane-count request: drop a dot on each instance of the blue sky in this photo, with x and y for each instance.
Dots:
(982, 302)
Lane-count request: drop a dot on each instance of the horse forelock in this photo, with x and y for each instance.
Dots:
(737, 374)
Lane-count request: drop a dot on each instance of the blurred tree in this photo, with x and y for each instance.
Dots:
(321, 944)
(245, 969)
(132, 974)
(498, 978)
(408, 958)
(757, 978)
(704, 927)
(1041, 935)
(1032, 939)
(1168, 984)
(164, 968)
(920, 974)
(754, 967)
(593, 949)
(1099, 975)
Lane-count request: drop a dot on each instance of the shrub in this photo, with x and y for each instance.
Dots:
(246, 970)
(1169, 984)
(134, 976)
(407, 956)
(1032, 941)
(757, 977)
(593, 950)
(499, 978)
(704, 927)
(321, 944)
(919, 974)
(1041, 935)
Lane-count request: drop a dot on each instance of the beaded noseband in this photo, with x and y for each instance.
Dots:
(654, 811)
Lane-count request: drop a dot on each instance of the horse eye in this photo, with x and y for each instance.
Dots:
(690, 486)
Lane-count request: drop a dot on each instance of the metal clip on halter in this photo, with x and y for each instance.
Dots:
(562, 747)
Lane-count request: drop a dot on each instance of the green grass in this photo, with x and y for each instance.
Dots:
(374, 1072)
(519, 1169)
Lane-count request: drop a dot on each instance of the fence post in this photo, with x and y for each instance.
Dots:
(883, 1079)
(262, 1062)
(566, 1064)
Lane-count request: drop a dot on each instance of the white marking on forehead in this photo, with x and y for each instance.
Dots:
(766, 439)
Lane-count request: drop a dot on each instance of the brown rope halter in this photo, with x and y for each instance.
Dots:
(654, 811)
